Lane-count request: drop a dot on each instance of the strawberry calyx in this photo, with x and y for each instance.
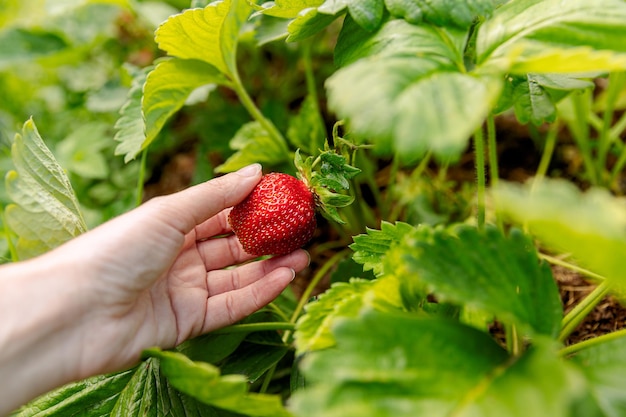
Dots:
(326, 175)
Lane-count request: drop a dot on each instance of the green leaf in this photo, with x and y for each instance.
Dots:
(131, 126)
(555, 36)
(288, 9)
(155, 97)
(604, 365)
(498, 274)
(396, 38)
(371, 248)
(590, 226)
(305, 129)
(45, 211)
(532, 102)
(19, 45)
(81, 151)
(204, 382)
(313, 330)
(308, 23)
(95, 396)
(399, 365)
(253, 144)
(208, 34)
(254, 359)
(440, 12)
(425, 108)
(428, 105)
(367, 13)
(168, 86)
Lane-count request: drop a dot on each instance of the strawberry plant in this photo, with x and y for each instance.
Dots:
(434, 294)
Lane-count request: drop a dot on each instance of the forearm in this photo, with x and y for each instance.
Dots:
(40, 309)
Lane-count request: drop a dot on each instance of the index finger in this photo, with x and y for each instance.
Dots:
(186, 209)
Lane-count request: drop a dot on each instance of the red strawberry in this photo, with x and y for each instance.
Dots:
(277, 217)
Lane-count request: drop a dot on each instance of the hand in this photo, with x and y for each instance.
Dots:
(152, 277)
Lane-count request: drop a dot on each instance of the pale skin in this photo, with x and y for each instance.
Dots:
(154, 276)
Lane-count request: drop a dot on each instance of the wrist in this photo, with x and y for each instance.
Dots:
(41, 310)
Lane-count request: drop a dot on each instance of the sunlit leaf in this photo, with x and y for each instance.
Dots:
(555, 36)
(486, 270)
(45, 212)
(370, 248)
(288, 9)
(203, 382)
(560, 60)
(167, 88)
(400, 365)
(253, 144)
(590, 226)
(208, 34)
(155, 96)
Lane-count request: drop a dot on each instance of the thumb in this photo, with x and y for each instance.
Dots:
(188, 208)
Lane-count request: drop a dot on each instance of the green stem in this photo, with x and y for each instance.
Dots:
(311, 85)
(7, 234)
(309, 289)
(571, 321)
(254, 327)
(616, 131)
(548, 151)
(141, 178)
(479, 155)
(278, 311)
(514, 340)
(577, 347)
(616, 82)
(492, 149)
(576, 268)
(256, 114)
(269, 374)
(580, 133)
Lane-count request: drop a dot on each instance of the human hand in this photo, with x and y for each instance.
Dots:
(154, 276)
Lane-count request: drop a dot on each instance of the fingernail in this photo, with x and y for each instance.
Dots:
(293, 274)
(308, 256)
(250, 170)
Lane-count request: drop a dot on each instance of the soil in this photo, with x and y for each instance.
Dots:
(518, 157)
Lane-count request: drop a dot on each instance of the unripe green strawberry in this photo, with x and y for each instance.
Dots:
(277, 217)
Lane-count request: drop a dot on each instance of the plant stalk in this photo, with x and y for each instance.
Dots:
(580, 133)
(141, 178)
(616, 83)
(312, 87)
(7, 235)
(256, 114)
(573, 319)
(548, 151)
(598, 340)
(254, 327)
(479, 158)
(309, 289)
